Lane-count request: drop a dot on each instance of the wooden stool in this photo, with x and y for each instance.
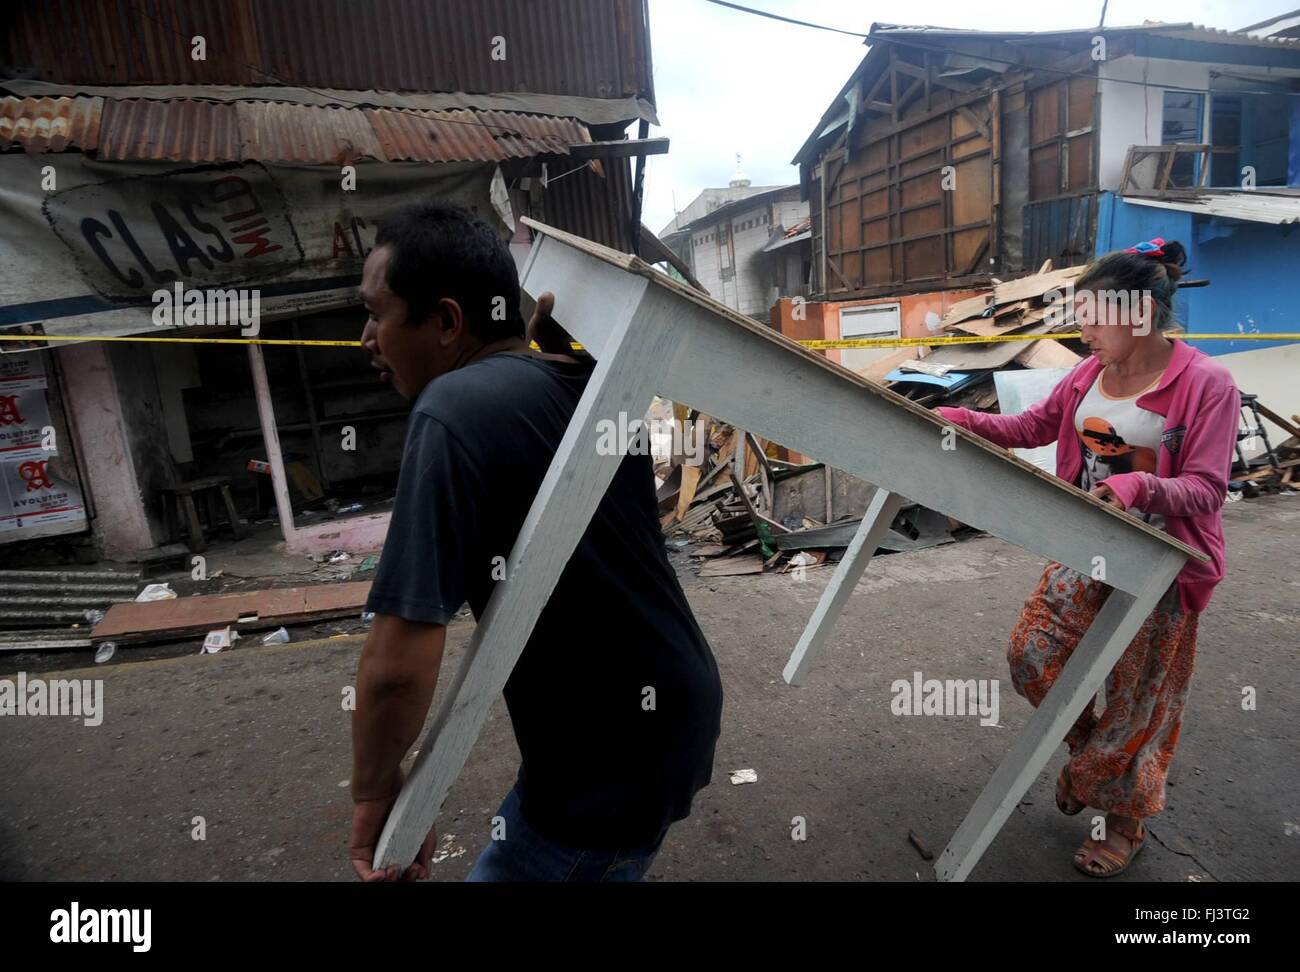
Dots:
(187, 514)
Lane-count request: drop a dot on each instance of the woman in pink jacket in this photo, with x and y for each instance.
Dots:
(1148, 424)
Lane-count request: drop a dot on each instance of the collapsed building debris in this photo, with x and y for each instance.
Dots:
(776, 514)
(1273, 470)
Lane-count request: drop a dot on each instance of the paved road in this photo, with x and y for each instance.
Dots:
(256, 742)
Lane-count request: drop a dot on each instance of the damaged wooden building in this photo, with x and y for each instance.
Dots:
(953, 159)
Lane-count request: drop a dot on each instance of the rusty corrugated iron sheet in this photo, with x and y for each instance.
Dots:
(184, 130)
(593, 205)
(590, 48)
(468, 136)
(130, 40)
(278, 132)
(169, 131)
(50, 124)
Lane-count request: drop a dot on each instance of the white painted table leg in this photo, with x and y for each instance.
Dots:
(1097, 653)
(875, 523)
(630, 366)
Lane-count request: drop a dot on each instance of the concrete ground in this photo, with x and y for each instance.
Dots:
(255, 740)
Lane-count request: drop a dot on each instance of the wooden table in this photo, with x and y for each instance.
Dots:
(653, 335)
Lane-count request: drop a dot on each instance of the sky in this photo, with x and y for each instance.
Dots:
(728, 82)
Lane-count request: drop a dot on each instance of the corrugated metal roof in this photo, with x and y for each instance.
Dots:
(50, 124)
(592, 48)
(184, 130)
(597, 205)
(468, 136)
(1256, 206)
(169, 131)
(589, 111)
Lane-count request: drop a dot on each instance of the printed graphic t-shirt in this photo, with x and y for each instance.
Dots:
(616, 701)
(1117, 437)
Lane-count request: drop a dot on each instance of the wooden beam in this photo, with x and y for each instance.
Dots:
(1276, 419)
(979, 126)
(1097, 653)
(619, 148)
(271, 439)
(875, 524)
(906, 67)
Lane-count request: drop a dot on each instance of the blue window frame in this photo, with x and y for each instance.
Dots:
(1181, 121)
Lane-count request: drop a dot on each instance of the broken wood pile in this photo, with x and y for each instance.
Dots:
(756, 520)
(1277, 468)
(960, 374)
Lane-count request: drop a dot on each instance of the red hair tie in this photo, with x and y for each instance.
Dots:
(1154, 247)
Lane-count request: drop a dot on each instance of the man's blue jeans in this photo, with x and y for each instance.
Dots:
(525, 855)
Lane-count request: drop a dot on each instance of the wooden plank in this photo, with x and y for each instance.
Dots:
(754, 514)
(1097, 653)
(877, 370)
(875, 524)
(619, 149)
(989, 326)
(978, 357)
(733, 566)
(1035, 285)
(1276, 419)
(765, 469)
(195, 615)
(690, 478)
(968, 308)
(1047, 354)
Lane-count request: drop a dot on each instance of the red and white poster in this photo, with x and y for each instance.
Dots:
(38, 486)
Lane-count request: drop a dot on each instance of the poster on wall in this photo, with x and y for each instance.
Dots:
(102, 245)
(39, 490)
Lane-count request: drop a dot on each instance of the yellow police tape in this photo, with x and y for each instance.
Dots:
(842, 344)
(849, 343)
(141, 339)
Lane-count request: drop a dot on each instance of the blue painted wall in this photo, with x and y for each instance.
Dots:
(1253, 269)
(1293, 164)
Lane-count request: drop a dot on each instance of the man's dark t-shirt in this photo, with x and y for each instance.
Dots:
(601, 768)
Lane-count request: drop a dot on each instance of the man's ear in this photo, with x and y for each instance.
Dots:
(450, 320)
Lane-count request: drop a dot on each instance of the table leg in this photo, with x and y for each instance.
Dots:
(1097, 653)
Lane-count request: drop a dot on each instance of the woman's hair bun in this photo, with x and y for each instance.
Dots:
(1174, 259)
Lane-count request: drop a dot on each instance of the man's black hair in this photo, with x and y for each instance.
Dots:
(440, 250)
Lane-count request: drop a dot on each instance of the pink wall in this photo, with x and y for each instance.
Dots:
(912, 312)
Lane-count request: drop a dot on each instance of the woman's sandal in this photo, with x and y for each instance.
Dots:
(1100, 859)
(1066, 801)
